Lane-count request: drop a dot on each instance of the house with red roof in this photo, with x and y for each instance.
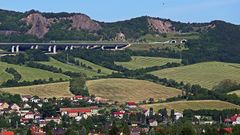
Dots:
(131, 105)
(55, 119)
(233, 120)
(119, 114)
(77, 97)
(5, 132)
(83, 111)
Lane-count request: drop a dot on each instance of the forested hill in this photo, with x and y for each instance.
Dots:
(222, 43)
(34, 26)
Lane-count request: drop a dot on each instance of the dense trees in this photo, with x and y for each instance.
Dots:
(220, 43)
(78, 86)
(22, 58)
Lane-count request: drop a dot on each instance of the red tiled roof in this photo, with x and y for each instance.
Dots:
(118, 113)
(131, 103)
(79, 110)
(7, 133)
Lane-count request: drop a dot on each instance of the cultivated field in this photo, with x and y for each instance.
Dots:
(72, 68)
(95, 66)
(29, 74)
(237, 92)
(143, 62)
(43, 91)
(180, 106)
(4, 76)
(206, 74)
(124, 90)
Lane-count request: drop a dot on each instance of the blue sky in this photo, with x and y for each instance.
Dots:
(115, 10)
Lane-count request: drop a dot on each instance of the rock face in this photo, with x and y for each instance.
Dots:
(160, 26)
(120, 37)
(84, 22)
(39, 24)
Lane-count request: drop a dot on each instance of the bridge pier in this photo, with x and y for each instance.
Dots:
(13, 49)
(116, 47)
(54, 49)
(71, 47)
(36, 47)
(49, 48)
(32, 47)
(17, 49)
(66, 48)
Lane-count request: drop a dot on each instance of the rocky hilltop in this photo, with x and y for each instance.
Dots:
(36, 26)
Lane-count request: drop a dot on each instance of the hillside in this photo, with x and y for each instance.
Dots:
(72, 68)
(207, 74)
(138, 62)
(180, 106)
(43, 91)
(34, 26)
(124, 90)
(30, 74)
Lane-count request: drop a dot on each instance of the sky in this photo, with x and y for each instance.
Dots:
(117, 10)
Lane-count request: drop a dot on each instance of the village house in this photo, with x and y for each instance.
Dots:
(5, 132)
(15, 107)
(55, 119)
(26, 98)
(77, 97)
(74, 112)
(26, 106)
(153, 123)
(178, 115)
(36, 130)
(4, 105)
(131, 105)
(118, 114)
(233, 119)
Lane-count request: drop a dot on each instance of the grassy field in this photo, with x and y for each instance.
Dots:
(95, 66)
(124, 90)
(67, 67)
(206, 74)
(237, 92)
(148, 46)
(4, 76)
(180, 106)
(43, 91)
(29, 74)
(143, 62)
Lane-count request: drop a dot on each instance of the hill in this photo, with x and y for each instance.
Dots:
(95, 67)
(30, 74)
(43, 91)
(138, 62)
(124, 90)
(180, 106)
(207, 74)
(35, 26)
(72, 68)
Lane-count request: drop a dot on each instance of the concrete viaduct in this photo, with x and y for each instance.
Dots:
(55, 47)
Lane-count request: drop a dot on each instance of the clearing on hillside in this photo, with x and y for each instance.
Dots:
(72, 68)
(138, 62)
(29, 74)
(180, 106)
(124, 90)
(237, 92)
(43, 91)
(207, 74)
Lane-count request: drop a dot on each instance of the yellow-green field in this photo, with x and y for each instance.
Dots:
(4, 76)
(72, 68)
(237, 92)
(43, 91)
(124, 90)
(180, 106)
(207, 74)
(95, 66)
(28, 74)
(143, 62)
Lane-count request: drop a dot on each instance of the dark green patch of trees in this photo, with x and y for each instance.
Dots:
(78, 86)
